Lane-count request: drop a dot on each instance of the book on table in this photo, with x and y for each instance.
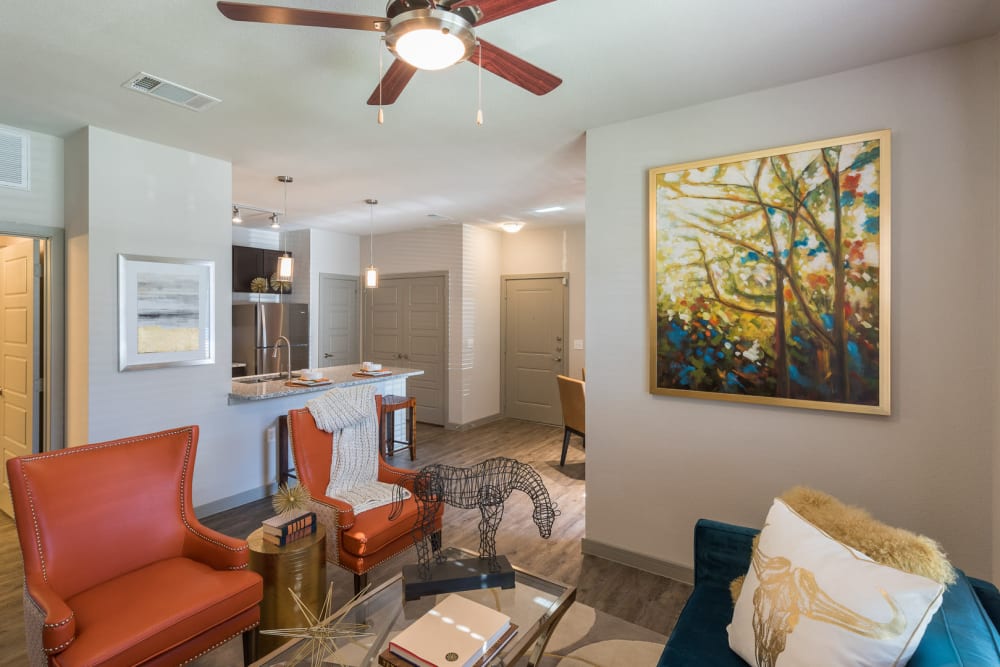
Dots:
(457, 632)
(282, 540)
(283, 524)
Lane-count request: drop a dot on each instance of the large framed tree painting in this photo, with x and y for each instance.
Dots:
(769, 276)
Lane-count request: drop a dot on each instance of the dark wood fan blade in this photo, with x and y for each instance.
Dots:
(238, 11)
(497, 9)
(516, 70)
(395, 79)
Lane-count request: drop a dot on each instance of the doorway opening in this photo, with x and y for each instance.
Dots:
(25, 376)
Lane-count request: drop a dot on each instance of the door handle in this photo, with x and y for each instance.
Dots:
(327, 355)
(556, 358)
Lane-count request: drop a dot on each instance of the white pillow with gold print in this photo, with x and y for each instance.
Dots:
(810, 600)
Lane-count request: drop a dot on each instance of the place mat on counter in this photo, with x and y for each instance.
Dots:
(308, 383)
(376, 374)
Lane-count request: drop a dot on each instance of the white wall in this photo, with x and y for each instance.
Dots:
(928, 467)
(147, 199)
(480, 323)
(554, 250)
(42, 204)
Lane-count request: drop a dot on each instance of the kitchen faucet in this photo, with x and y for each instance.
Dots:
(274, 355)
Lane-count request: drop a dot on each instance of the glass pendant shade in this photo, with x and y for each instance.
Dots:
(371, 277)
(285, 268)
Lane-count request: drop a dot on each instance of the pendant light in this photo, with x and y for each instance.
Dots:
(237, 218)
(371, 273)
(285, 261)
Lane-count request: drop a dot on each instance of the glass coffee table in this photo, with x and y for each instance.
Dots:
(535, 604)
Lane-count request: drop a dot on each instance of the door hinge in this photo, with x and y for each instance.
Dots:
(38, 270)
(565, 281)
(39, 384)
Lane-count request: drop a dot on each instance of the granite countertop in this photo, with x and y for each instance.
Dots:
(339, 376)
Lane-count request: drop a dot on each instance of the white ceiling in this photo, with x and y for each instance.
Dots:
(293, 98)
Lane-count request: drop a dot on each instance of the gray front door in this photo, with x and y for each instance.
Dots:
(534, 346)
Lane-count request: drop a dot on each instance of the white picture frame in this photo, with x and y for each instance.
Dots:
(166, 312)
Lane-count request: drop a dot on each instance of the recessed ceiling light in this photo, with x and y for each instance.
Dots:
(550, 209)
(511, 227)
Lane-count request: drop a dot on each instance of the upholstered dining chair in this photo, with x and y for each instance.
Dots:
(117, 568)
(355, 542)
(572, 396)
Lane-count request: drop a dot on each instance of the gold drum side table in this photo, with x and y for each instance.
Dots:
(300, 566)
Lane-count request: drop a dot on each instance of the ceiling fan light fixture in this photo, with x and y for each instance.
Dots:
(430, 39)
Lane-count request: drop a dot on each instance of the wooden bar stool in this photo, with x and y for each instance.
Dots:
(387, 425)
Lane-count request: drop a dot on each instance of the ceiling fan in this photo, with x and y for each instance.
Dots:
(412, 28)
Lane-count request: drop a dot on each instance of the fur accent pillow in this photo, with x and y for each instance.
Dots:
(811, 600)
(857, 528)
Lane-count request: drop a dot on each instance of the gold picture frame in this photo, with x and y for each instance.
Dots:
(769, 276)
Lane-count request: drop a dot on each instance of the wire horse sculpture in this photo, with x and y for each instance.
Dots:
(486, 486)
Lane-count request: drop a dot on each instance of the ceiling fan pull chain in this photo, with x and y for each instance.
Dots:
(479, 114)
(381, 117)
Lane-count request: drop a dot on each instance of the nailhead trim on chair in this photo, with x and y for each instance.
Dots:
(212, 648)
(206, 538)
(60, 623)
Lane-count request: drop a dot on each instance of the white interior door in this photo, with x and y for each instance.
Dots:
(534, 347)
(406, 325)
(339, 340)
(18, 354)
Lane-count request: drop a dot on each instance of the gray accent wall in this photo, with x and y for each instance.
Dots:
(655, 464)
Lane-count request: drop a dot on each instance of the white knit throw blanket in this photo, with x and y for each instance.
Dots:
(349, 414)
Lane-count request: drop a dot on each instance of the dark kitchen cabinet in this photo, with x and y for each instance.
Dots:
(250, 263)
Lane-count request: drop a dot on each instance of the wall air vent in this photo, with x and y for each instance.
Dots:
(147, 84)
(14, 152)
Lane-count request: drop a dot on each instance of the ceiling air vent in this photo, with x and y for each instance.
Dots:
(147, 84)
(14, 159)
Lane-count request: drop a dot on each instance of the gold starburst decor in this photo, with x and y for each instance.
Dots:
(279, 285)
(323, 633)
(288, 499)
(258, 285)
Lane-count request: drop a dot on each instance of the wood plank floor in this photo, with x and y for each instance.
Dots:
(638, 597)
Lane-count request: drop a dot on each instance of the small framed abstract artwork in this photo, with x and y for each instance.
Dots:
(166, 312)
(769, 276)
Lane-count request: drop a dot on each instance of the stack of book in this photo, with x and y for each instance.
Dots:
(457, 632)
(285, 528)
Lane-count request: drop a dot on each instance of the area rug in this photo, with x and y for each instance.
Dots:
(587, 637)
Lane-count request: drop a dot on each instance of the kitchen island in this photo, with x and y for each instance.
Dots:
(266, 400)
(274, 385)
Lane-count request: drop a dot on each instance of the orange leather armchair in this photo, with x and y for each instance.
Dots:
(573, 397)
(355, 542)
(117, 569)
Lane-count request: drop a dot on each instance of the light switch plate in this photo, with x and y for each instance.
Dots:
(577, 344)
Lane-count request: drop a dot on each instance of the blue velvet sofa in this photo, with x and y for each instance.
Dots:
(963, 633)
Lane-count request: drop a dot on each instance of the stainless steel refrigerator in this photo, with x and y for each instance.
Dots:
(256, 327)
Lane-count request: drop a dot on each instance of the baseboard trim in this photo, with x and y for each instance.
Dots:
(223, 504)
(662, 568)
(451, 426)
